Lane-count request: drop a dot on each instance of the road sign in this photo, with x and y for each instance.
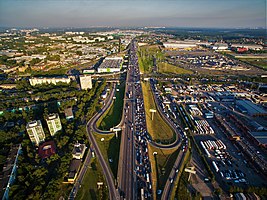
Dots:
(152, 113)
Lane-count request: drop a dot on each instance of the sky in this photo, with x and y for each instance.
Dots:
(127, 13)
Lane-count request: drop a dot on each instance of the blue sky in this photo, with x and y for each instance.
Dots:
(175, 13)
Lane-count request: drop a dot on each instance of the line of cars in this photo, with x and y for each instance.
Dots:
(169, 110)
(142, 163)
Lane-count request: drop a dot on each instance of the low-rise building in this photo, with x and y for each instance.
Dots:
(8, 86)
(78, 151)
(53, 80)
(69, 113)
(35, 132)
(47, 149)
(73, 170)
(88, 71)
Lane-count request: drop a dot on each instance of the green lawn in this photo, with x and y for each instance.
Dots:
(110, 148)
(145, 57)
(161, 165)
(158, 128)
(164, 161)
(260, 62)
(181, 191)
(89, 190)
(164, 67)
(113, 116)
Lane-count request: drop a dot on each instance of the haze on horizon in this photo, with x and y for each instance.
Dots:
(121, 13)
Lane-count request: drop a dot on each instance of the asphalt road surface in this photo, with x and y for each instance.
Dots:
(113, 194)
(126, 177)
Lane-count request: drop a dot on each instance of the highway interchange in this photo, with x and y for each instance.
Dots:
(134, 168)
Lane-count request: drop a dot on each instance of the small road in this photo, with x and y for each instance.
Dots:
(80, 177)
(113, 194)
(169, 186)
(94, 147)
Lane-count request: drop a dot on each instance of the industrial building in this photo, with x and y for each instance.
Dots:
(86, 82)
(181, 44)
(113, 64)
(35, 132)
(53, 80)
(251, 108)
(219, 46)
(260, 137)
(248, 46)
(53, 123)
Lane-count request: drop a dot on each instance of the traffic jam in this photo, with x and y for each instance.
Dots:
(142, 163)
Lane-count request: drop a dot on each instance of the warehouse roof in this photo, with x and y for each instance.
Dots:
(253, 109)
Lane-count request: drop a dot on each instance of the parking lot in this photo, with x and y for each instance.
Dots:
(233, 167)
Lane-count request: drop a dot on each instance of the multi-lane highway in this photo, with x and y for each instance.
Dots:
(134, 169)
(126, 176)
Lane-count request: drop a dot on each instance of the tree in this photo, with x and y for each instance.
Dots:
(34, 61)
(79, 53)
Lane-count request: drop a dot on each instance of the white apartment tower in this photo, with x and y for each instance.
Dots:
(53, 123)
(35, 132)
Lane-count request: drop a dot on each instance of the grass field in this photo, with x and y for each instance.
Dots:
(181, 191)
(145, 57)
(158, 128)
(89, 190)
(161, 164)
(260, 62)
(113, 116)
(110, 148)
(167, 68)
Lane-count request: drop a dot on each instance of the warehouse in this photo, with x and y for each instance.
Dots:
(252, 109)
(113, 64)
(260, 137)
